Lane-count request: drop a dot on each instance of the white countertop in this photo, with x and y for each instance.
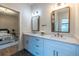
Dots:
(8, 44)
(66, 39)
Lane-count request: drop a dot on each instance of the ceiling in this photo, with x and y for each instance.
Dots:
(5, 10)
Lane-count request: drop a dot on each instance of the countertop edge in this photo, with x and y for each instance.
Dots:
(73, 43)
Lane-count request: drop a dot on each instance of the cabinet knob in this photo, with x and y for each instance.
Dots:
(55, 53)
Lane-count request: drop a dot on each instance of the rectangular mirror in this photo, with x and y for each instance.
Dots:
(35, 23)
(60, 20)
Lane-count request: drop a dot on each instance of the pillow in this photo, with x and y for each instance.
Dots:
(3, 31)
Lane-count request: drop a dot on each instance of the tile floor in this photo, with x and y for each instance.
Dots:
(22, 53)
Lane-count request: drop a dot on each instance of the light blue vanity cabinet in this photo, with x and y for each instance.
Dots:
(39, 46)
(55, 48)
(68, 49)
(49, 48)
(34, 45)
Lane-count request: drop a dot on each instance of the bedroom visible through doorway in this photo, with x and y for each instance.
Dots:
(9, 25)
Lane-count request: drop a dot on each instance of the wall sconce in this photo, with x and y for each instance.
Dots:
(36, 13)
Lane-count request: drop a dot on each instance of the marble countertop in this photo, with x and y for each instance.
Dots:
(66, 39)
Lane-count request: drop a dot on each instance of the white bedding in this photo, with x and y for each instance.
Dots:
(5, 38)
(4, 35)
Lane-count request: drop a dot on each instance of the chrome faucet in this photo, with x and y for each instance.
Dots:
(58, 35)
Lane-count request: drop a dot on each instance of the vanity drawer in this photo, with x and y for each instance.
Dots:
(37, 40)
(38, 47)
(38, 51)
(34, 45)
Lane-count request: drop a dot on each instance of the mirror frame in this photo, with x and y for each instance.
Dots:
(52, 13)
(38, 23)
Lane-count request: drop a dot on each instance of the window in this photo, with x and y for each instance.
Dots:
(64, 25)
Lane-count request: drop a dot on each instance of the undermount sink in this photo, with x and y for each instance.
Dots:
(56, 37)
(51, 36)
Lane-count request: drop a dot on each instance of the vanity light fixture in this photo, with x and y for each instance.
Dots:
(36, 13)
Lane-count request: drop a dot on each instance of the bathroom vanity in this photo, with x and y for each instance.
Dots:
(51, 46)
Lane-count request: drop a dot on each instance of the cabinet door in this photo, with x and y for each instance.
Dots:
(28, 43)
(49, 51)
(49, 48)
(66, 50)
(26, 38)
(52, 48)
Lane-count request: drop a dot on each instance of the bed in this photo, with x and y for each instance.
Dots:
(5, 36)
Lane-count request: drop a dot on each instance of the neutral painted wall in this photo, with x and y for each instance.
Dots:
(25, 17)
(9, 22)
(45, 15)
(76, 20)
(46, 9)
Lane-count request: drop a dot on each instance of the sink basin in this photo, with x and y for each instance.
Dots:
(55, 37)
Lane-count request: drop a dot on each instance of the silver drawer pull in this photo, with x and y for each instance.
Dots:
(37, 45)
(37, 39)
(36, 52)
(54, 52)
